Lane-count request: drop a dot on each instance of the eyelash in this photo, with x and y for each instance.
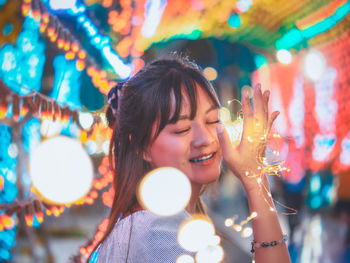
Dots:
(183, 131)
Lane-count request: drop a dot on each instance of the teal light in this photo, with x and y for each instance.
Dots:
(316, 202)
(315, 184)
(259, 60)
(295, 36)
(7, 29)
(234, 21)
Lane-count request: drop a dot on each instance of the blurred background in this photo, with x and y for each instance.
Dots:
(59, 58)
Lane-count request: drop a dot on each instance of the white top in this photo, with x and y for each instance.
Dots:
(143, 237)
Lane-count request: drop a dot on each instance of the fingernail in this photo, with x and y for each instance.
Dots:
(219, 128)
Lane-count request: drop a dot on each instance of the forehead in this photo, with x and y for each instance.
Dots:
(202, 99)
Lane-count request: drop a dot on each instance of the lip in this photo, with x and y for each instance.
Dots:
(205, 162)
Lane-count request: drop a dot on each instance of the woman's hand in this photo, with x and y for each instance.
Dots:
(246, 160)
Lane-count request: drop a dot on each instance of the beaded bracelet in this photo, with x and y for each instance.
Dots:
(267, 244)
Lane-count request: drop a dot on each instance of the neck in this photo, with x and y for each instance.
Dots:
(191, 206)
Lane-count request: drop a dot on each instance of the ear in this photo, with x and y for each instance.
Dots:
(147, 156)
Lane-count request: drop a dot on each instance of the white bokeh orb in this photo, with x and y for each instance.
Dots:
(61, 170)
(284, 56)
(210, 254)
(314, 65)
(185, 259)
(165, 191)
(196, 234)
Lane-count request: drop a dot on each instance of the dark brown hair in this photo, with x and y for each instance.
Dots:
(145, 100)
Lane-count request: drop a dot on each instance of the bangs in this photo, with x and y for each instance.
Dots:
(174, 86)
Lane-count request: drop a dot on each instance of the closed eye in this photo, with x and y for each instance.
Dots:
(213, 122)
(182, 131)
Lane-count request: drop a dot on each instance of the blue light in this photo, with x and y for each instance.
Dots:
(81, 18)
(123, 70)
(66, 85)
(315, 183)
(316, 202)
(234, 21)
(22, 65)
(259, 60)
(7, 29)
(8, 195)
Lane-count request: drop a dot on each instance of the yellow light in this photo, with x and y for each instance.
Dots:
(247, 232)
(196, 233)
(228, 222)
(238, 228)
(210, 73)
(165, 191)
(185, 259)
(61, 171)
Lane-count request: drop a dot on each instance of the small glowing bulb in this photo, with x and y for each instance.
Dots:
(228, 222)
(238, 228)
(254, 214)
(249, 139)
(259, 180)
(86, 120)
(271, 209)
(247, 232)
(246, 173)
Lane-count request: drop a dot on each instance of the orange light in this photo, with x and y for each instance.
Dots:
(66, 46)
(36, 15)
(60, 43)
(25, 9)
(42, 27)
(50, 31)
(45, 18)
(80, 64)
(70, 55)
(81, 54)
(75, 47)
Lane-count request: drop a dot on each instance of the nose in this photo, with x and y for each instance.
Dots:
(202, 136)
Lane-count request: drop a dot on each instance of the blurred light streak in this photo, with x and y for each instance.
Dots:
(153, 13)
(296, 36)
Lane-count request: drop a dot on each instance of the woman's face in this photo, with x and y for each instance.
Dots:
(191, 146)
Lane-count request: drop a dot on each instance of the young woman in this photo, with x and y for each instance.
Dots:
(167, 115)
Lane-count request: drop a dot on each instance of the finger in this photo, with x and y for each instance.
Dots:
(247, 110)
(258, 103)
(272, 118)
(225, 142)
(266, 96)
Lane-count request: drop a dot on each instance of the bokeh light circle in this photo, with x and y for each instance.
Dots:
(314, 65)
(196, 234)
(165, 191)
(61, 170)
(211, 254)
(185, 259)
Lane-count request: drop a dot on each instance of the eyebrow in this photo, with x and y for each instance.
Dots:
(186, 117)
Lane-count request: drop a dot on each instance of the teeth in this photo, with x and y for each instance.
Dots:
(203, 158)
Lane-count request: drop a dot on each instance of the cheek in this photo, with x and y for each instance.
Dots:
(168, 152)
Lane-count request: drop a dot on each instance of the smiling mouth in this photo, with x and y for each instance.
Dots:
(202, 158)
